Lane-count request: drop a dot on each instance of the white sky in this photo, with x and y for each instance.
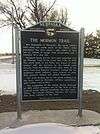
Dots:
(82, 13)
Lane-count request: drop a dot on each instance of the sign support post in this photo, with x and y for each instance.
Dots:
(18, 87)
(81, 59)
(12, 39)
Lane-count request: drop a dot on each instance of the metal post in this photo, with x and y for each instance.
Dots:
(18, 87)
(81, 60)
(12, 39)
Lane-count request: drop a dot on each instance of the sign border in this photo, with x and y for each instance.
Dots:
(79, 62)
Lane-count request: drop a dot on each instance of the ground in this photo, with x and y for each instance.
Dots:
(91, 101)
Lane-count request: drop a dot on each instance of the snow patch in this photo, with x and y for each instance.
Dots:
(51, 128)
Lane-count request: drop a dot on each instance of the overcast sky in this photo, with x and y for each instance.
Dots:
(82, 13)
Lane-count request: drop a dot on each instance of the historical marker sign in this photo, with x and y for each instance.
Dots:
(49, 63)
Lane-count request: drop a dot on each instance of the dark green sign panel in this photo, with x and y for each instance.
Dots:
(49, 63)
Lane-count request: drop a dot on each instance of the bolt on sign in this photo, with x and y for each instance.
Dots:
(49, 62)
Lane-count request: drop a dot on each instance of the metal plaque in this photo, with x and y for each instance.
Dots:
(49, 64)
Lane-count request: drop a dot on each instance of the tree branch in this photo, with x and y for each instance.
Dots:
(49, 8)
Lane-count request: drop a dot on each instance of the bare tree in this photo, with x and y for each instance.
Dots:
(63, 16)
(33, 12)
(18, 16)
(38, 10)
